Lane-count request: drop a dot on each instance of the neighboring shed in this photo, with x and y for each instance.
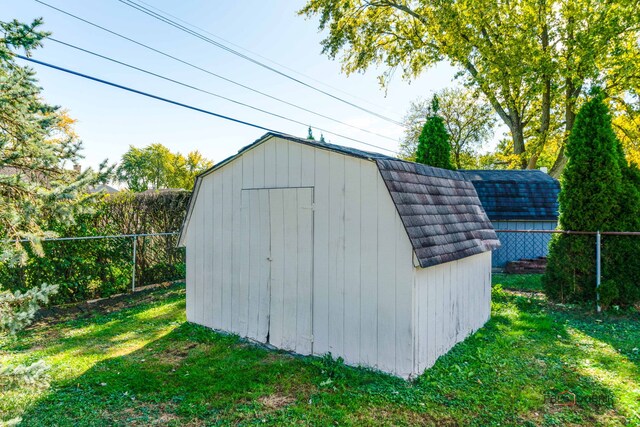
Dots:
(317, 248)
(518, 200)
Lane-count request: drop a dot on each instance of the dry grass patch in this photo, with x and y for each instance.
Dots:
(276, 401)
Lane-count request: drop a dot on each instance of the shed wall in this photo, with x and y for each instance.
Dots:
(515, 246)
(362, 258)
(453, 300)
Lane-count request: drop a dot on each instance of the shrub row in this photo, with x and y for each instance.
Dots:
(86, 269)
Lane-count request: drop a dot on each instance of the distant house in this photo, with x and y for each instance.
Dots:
(316, 248)
(518, 200)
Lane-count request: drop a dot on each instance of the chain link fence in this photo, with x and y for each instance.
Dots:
(98, 266)
(525, 251)
(517, 245)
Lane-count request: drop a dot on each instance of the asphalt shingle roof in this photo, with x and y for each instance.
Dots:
(516, 194)
(440, 210)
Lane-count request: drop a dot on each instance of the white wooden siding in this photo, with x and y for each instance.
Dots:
(361, 298)
(369, 304)
(441, 322)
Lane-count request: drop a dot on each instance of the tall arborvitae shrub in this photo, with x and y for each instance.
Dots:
(434, 148)
(598, 193)
(621, 254)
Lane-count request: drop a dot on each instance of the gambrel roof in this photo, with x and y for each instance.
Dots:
(516, 194)
(439, 208)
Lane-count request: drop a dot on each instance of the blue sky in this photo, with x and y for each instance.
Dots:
(109, 120)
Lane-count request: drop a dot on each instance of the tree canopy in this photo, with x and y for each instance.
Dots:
(467, 118)
(155, 167)
(532, 59)
(37, 150)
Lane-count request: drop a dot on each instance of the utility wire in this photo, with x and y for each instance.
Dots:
(181, 27)
(159, 98)
(164, 12)
(212, 73)
(202, 90)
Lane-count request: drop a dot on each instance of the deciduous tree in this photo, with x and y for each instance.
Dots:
(532, 59)
(155, 166)
(467, 118)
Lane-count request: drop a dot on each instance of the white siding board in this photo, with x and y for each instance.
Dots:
(207, 255)
(404, 321)
(264, 268)
(201, 251)
(291, 262)
(253, 260)
(451, 304)
(336, 253)
(227, 244)
(245, 261)
(276, 307)
(352, 258)
(217, 250)
(191, 276)
(239, 289)
(259, 156)
(369, 265)
(304, 332)
(386, 279)
(431, 285)
(282, 164)
(295, 165)
(307, 165)
(269, 164)
(321, 255)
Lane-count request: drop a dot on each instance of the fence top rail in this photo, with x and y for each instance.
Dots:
(591, 233)
(110, 236)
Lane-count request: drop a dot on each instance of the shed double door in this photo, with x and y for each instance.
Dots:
(278, 227)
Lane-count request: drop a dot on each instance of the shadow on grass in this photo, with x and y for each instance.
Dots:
(522, 368)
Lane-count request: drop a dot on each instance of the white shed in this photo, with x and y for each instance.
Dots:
(317, 248)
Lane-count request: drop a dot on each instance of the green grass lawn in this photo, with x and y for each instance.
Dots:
(142, 364)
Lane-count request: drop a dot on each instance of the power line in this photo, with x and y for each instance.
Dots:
(159, 98)
(261, 56)
(212, 73)
(203, 90)
(181, 27)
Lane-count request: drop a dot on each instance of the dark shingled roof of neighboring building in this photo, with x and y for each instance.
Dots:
(516, 194)
(440, 210)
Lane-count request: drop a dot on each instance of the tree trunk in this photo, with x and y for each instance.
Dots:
(545, 120)
(517, 133)
(571, 94)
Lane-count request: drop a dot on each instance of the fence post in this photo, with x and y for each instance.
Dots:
(133, 275)
(598, 271)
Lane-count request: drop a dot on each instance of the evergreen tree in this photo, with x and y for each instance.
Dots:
(433, 144)
(310, 134)
(598, 193)
(37, 185)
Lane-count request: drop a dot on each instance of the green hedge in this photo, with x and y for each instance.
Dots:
(86, 269)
